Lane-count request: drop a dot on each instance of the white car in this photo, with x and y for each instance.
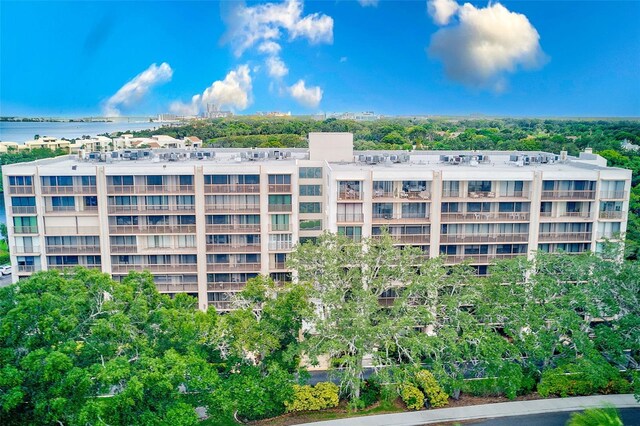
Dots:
(5, 270)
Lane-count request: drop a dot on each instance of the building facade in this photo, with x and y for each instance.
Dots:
(203, 222)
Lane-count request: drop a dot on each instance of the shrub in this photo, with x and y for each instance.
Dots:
(308, 398)
(412, 397)
(432, 390)
(581, 377)
(607, 416)
(370, 392)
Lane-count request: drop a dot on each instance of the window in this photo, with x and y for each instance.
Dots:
(478, 207)
(414, 210)
(513, 207)
(310, 172)
(63, 202)
(279, 222)
(279, 199)
(122, 180)
(157, 220)
(384, 210)
(88, 180)
(185, 201)
(126, 220)
(353, 232)
(187, 220)
(185, 179)
(23, 201)
(512, 188)
(20, 180)
(91, 201)
(310, 190)
(217, 179)
(154, 180)
(450, 208)
(57, 181)
(480, 186)
(312, 240)
(157, 202)
(310, 208)
(279, 179)
(249, 179)
(124, 200)
(310, 225)
(186, 241)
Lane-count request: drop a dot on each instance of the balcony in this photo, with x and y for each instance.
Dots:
(479, 238)
(234, 248)
(25, 249)
(515, 194)
(350, 218)
(177, 288)
(232, 189)
(173, 268)
(611, 214)
(75, 249)
(401, 195)
(23, 209)
(566, 216)
(221, 305)
(613, 195)
(349, 195)
(69, 189)
(152, 229)
(240, 228)
(124, 248)
(61, 267)
(28, 269)
(60, 209)
(279, 207)
(225, 286)
(233, 208)
(479, 258)
(149, 189)
(279, 188)
(280, 227)
(564, 236)
(21, 189)
(25, 229)
(280, 245)
(569, 195)
(273, 265)
(407, 238)
(486, 216)
(235, 267)
(481, 194)
(450, 193)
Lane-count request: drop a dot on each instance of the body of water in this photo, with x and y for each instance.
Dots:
(24, 131)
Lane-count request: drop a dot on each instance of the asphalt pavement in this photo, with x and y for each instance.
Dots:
(5, 280)
(630, 417)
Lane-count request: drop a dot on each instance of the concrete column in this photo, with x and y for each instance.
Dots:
(40, 210)
(434, 214)
(103, 219)
(534, 212)
(265, 221)
(201, 236)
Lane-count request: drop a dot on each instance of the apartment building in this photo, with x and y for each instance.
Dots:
(205, 221)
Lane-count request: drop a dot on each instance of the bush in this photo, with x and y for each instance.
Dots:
(581, 377)
(412, 397)
(432, 390)
(607, 416)
(308, 398)
(370, 392)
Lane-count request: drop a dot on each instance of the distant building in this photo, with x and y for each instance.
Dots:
(356, 116)
(167, 117)
(626, 144)
(213, 111)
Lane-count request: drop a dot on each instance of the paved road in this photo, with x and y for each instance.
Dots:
(5, 280)
(630, 417)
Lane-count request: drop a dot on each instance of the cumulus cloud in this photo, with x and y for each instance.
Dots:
(234, 92)
(309, 97)
(485, 43)
(367, 3)
(269, 47)
(442, 10)
(136, 88)
(250, 25)
(276, 67)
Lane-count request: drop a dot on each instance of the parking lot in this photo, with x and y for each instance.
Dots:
(5, 280)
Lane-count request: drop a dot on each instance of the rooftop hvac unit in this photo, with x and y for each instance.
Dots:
(173, 157)
(362, 158)
(369, 159)
(394, 158)
(287, 154)
(563, 156)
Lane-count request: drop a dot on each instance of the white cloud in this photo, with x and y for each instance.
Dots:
(366, 3)
(234, 92)
(276, 67)
(485, 44)
(250, 25)
(306, 96)
(136, 88)
(269, 47)
(442, 10)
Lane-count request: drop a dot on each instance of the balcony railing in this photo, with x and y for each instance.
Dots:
(480, 258)
(485, 216)
(450, 193)
(564, 236)
(233, 248)
(177, 268)
(64, 249)
(28, 268)
(515, 194)
(566, 215)
(222, 267)
(277, 265)
(20, 189)
(23, 209)
(233, 228)
(70, 189)
(60, 209)
(350, 195)
(149, 189)
(124, 248)
(232, 189)
(402, 195)
(280, 245)
(352, 217)
(230, 208)
(62, 267)
(408, 238)
(613, 195)
(280, 187)
(25, 249)
(481, 194)
(569, 195)
(225, 285)
(611, 214)
(71, 230)
(25, 229)
(221, 305)
(280, 227)
(152, 229)
(486, 238)
(608, 235)
(279, 207)
(177, 288)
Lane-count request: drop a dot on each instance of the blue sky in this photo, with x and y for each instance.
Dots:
(518, 58)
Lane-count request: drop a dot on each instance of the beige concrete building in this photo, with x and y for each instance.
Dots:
(205, 221)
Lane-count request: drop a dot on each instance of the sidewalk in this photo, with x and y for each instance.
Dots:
(503, 409)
